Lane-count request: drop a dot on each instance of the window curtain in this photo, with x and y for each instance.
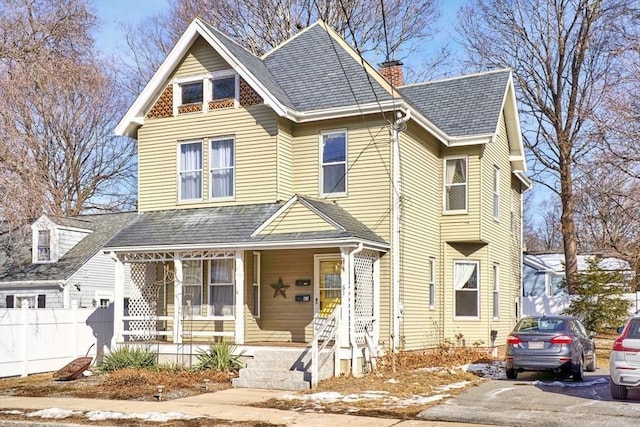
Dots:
(191, 171)
(456, 184)
(192, 287)
(462, 274)
(222, 163)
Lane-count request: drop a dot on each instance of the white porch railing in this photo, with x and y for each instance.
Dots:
(326, 333)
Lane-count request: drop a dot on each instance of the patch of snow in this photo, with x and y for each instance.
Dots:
(493, 370)
(451, 386)
(54, 413)
(569, 384)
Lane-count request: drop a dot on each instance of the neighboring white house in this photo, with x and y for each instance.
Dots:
(63, 262)
(543, 273)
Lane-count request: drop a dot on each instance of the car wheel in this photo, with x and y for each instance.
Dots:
(578, 374)
(593, 365)
(512, 374)
(618, 392)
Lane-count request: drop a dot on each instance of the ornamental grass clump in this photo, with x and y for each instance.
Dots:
(127, 357)
(220, 355)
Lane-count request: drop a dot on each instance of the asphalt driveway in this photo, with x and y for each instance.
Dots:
(536, 399)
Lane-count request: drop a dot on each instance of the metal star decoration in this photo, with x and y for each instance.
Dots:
(280, 288)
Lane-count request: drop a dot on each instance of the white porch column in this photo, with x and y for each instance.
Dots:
(345, 297)
(239, 305)
(376, 300)
(118, 300)
(177, 299)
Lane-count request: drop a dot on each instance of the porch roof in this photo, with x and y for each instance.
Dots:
(233, 227)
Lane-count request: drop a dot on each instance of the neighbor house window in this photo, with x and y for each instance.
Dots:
(256, 284)
(221, 287)
(192, 288)
(455, 187)
(222, 167)
(34, 301)
(44, 245)
(496, 291)
(466, 288)
(190, 172)
(432, 283)
(496, 193)
(223, 88)
(191, 93)
(333, 152)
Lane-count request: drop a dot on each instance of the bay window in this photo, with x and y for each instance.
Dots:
(455, 185)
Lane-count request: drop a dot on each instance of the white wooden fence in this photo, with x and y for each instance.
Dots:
(45, 340)
(532, 306)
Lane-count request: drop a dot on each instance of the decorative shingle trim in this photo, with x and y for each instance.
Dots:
(163, 106)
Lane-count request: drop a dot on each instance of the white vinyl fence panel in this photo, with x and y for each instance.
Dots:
(532, 306)
(44, 340)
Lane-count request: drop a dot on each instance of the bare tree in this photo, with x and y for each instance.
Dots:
(566, 58)
(382, 28)
(542, 233)
(58, 107)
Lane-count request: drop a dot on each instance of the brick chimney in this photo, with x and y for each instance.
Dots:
(392, 71)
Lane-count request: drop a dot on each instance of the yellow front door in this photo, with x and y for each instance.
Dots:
(329, 285)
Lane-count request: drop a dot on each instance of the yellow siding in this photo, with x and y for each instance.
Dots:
(298, 218)
(420, 237)
(201, 59)
(254, 129)
(284, 167)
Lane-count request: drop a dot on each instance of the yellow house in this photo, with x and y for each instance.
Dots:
(300, 200)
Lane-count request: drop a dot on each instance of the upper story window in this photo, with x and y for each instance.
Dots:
(44, 246)
(455, 185)
(191, 93)
(496, 193)
(333, 161)
(222, 168)
(190, 171)
(223, 88)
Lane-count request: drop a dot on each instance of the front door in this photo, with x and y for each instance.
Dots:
(328, 292)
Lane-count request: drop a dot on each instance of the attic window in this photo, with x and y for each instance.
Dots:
(224, 88)
(44, 245)
(191, 93)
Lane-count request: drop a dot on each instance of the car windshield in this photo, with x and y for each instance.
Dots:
(540, 325)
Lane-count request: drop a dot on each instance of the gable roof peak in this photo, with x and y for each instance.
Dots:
(319, 22)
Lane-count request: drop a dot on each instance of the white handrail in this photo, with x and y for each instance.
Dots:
(327, 332)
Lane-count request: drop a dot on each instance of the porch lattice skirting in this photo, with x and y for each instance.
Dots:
(364, 315)
(143, 300)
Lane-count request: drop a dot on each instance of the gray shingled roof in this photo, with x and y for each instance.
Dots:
(227, 225)
(103, 227)
(463, 106)
(317, 73)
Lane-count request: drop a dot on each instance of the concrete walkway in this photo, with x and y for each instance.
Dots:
(226, 404)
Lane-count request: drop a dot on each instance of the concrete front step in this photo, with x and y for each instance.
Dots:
(270, 384)
(276, 364)
(276, 374)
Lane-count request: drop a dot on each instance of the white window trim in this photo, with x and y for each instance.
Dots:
(208, 87)
(201, 285)
(444, 186)
(256, 283)
(25, 296)
(53, 245)
(179, 192)
(432, 283)
(210, 311)
(321, 164)
(496, 193)
(233, 193)
(207, 94)
(495, 302)
(477, 263)
(177, 90)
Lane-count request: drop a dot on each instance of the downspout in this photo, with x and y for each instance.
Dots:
(352, 310)
(397, 127)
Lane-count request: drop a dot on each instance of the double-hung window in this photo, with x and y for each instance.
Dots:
(44, 245)
(221, 287)
(466, 287)
(222, 167)
(455, 185)
(256, 284)
(496, 193)
(432, 283)
(190, 171)
(192, 288)
(333, 153)
(496, 291)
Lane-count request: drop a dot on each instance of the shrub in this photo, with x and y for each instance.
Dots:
(126, 357)
(220, 355)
